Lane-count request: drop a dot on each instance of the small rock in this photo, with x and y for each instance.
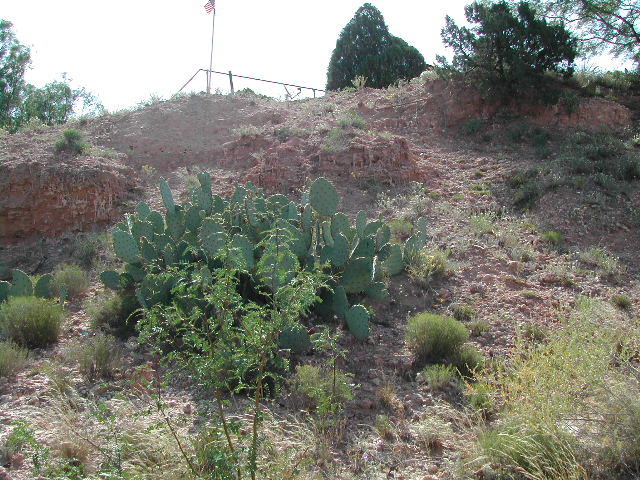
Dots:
(17, 460)
(433, 469)
(366, 404)
(188, 409)
(4, 475)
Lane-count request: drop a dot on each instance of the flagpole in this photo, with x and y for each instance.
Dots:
(213, 29)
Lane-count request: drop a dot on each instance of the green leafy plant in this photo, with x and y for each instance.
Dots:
(117, 312)
(439, 377)
(327, 390)
(30, 321)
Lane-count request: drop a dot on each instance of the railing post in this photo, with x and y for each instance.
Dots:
(231, 82)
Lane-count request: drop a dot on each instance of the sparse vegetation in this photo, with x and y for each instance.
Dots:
(12, 358)
(98, 357)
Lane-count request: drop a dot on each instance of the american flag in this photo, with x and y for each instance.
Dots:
(210, 6)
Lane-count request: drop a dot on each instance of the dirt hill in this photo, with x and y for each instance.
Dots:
(492, 182)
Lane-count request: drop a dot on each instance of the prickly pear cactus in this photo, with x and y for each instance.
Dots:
(21, 285)
(43, 288)
(295, 339)
(358, 321)
(125, 246)
(323, 197)
(5, 287)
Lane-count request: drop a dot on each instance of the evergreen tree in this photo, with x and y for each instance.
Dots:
(507, 53)
(366, 48)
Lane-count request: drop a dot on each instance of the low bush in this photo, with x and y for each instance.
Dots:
(552, 237)
(115, 313)
(12, 358)
(72, 142)
(439, 377)
(73, 277)
(464, 313)
(30, 321)
(428, 265)
(468, 360)
(623, 302)
(435, 338)
(327, 391)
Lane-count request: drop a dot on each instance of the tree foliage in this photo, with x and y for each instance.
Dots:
(507, 53)
(20, 102)
(366, 48)
(602, 25)
(14, 60)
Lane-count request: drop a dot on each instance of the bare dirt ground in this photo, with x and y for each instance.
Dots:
(396, 152)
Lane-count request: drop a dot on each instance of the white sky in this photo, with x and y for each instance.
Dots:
(124, 51)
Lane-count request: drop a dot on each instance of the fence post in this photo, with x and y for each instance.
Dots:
(314, 92)
(231, 81)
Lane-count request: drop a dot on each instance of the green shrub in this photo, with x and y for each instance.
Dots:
(72, 142)
(12, 358)
(606, 264)
(471, 127)
(552, 237)
(527, 195)
(623, 302)
(428, 265)
(73, 277)
(97, 357)
(114, 312)
(464, 313)
(439, 377)
(351, 119)
(468, 360)
(435, 338)
(30, 321)
(477, 327)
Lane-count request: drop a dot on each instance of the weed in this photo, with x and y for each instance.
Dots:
(73, 277)
(72, 142)
(552, 237)
(246, 131)
(384, 427)
(359, 82)
(527, 194)
(387, 395)
(518, 179)
(483, 223)
(351, 119)
(440, 377)
(482, 188)
(434, 338)
(337, 140)
(428, 265)
(481, 397)
(432, 432)
(30, 321)
(97, 357)
(623, 302)
(326, 392)
(539, 452)
(468, 360)
(477, 328)
(472, 127)
(606, 264)
(115, 312)
(464, 313)
(12, 358)
(535, 332)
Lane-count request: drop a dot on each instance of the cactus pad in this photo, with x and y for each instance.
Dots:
(394, 263)
(337, 254)
(340, 223)
(361, 222)
(295, 339)
(376, 290)
(358, 273)
(125, 247)
(111, 279)
(21, 285)
(339, 302)
(43, 288)
(323, 197)
(5, 287)
(143, 210)
(244, 249)
(358, 321)
(167, 196)
(366, 248)
(155, 218)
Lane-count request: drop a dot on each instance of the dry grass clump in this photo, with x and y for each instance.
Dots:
(74, 278)
(12, 358)
(30, 321)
